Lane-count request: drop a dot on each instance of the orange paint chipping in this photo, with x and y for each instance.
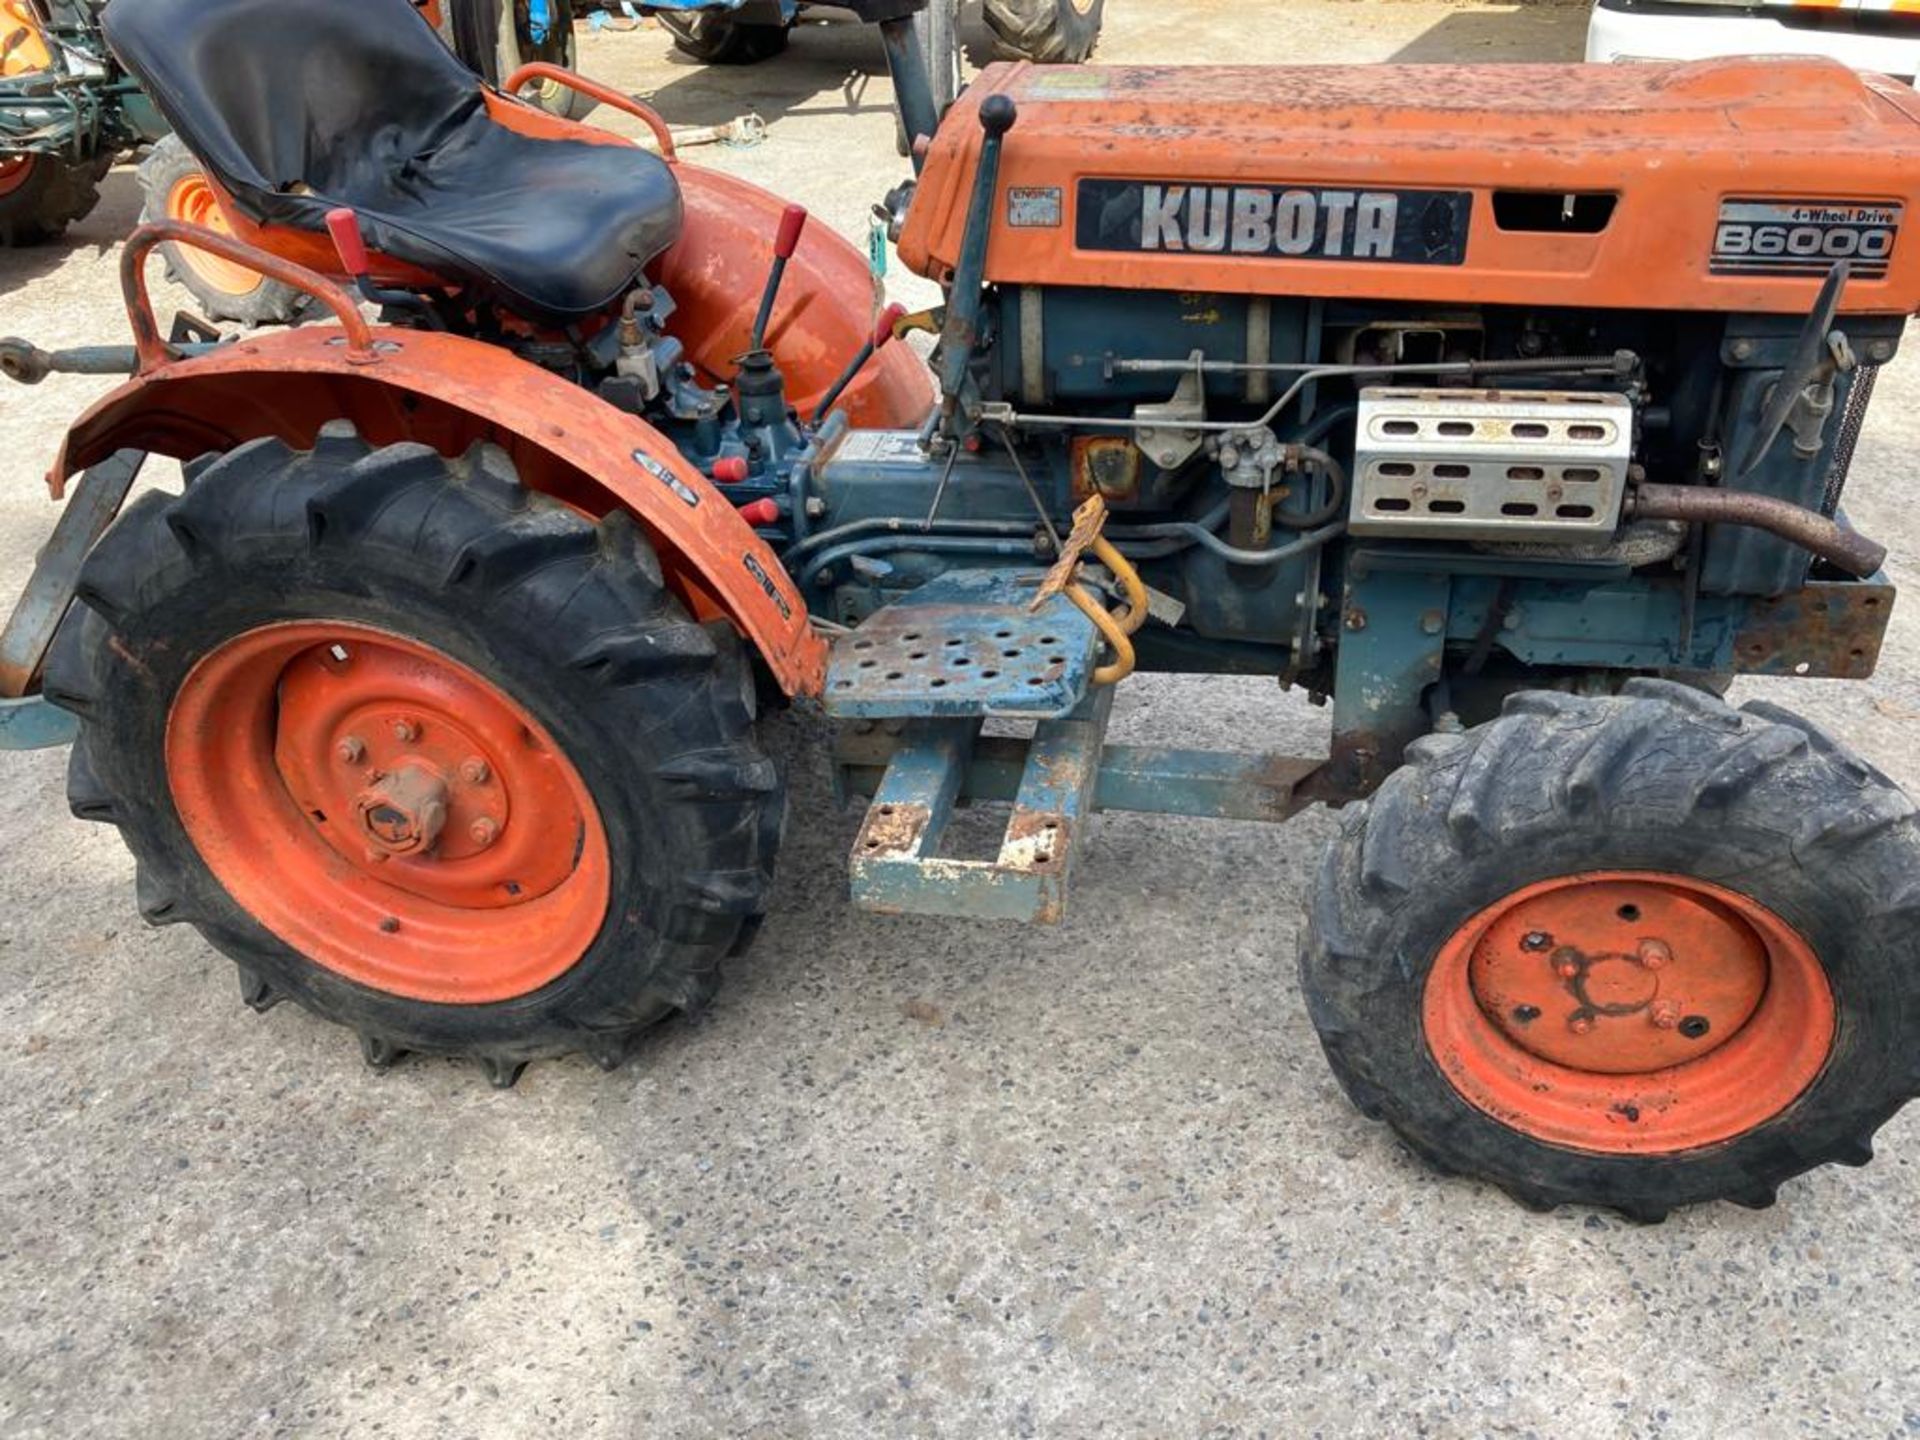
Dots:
(387, 812)
(1628, 1013)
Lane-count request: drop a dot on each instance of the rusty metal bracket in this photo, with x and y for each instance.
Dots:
(1146, 779)
(1827, 629)
(56, 573)
(896, 866)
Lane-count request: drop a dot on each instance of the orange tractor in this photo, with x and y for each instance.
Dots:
(431, 697)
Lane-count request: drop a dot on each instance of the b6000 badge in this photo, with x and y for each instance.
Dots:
(1804, 237)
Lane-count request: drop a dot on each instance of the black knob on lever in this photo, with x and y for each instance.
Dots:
(997, 114)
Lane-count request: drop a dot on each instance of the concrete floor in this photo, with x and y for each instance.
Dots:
(905, 1178)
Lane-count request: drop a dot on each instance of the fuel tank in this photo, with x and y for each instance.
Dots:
(1724, 185)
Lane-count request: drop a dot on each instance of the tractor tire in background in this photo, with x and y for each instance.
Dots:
(715, 38)
(1638, 951)
(41, 195)
(174, 187)
(438, 758)
(1049, 32)
(495, 38)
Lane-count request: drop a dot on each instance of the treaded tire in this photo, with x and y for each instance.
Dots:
(1049, 32)
(271, 302)
(936, 32)
(1666, 778)
(720, 40)
(485, 34)
(569, 618)
(52, 197)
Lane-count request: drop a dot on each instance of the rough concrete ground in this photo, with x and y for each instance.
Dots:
(905, 1178)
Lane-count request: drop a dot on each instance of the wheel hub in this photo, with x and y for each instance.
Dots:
(192, 199)
(1628, 1013)
(403, 813)
(1619, 978)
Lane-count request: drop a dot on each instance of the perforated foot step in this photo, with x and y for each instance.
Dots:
(964, 645)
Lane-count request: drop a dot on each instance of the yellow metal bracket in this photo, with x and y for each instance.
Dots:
(1085, 538)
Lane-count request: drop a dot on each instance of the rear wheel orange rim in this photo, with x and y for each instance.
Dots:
(192, 199)
(1629, 1013)
(388, 812)
(14, 172)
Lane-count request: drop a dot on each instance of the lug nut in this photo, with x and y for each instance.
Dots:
(351, 750)
(474, 771)
(406, 730)
(1655, 953)
(484, 831)
(1664, 1014)
(1535, 940)
(1580, 1024)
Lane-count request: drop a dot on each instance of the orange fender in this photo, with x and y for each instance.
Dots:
(449, 392)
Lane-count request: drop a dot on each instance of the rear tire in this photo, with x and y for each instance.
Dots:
(715, 39)
(563, 620)
(40, 196)
(174, 187)
(1048, 32)
(495, 38)
(1813, 849)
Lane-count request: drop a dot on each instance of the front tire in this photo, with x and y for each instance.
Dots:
(422, 875)
(1637, 952)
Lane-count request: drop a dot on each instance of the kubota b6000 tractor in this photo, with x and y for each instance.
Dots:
(430, 698)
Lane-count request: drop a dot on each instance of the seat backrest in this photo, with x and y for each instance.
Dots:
(275, 95)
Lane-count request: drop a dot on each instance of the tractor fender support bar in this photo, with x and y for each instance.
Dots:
(605, 94)
(1830, 540)
(153, 350)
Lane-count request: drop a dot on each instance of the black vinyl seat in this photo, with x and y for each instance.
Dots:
(301, 106)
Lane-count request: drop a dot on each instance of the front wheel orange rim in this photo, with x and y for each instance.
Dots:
(388, 812)
(1629, 1013)
(192, 199)
(15, 170)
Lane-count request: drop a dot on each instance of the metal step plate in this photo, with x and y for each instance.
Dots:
(962, 645)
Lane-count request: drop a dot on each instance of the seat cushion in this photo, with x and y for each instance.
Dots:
(301, 106)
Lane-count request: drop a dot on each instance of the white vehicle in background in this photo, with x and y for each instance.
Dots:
(1882, 35)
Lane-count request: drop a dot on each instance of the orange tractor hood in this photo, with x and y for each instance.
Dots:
(1727, 185)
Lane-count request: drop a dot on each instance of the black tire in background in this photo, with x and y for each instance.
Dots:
(715, 38)
(495, 38)
(1049, 32)
(569, 619)
(266, 302)
(49, 195)
(1662, 778)
(936, 30)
